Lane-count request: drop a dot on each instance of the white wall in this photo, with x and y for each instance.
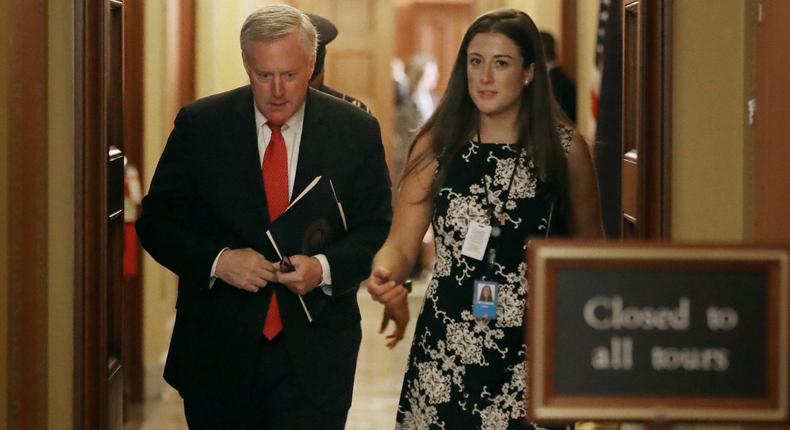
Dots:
(709, 99)
(159, 290)
(218, 64)
(547, 14)
(587, 26)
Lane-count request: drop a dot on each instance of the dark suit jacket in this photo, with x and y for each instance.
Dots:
(207, 194)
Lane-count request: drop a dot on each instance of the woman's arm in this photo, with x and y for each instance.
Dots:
(411, 217)
(583, 190)
(394, 261)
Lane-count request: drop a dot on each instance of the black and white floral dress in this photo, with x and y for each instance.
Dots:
(463, 372)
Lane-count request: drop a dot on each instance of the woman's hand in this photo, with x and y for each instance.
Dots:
(382, 288)
(398, 311)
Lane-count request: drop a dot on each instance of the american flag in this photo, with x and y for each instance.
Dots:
(608, 110)
(603, 19)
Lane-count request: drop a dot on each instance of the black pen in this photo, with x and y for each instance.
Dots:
(285, 265)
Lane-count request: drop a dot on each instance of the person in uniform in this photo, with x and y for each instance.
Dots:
(327, 33)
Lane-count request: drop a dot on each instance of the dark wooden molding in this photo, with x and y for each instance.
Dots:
(647, 114)
(666, 118)
(27, 400)
(631, 190)
(90, 225)
(569, 32)
(133, 13)
(98, 208)
(657, 125)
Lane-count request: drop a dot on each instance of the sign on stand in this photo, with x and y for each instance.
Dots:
(658, 332)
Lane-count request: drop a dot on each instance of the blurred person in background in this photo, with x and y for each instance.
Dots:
(562, 85)
(327, 32)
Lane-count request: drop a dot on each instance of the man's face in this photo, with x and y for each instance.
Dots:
(279, 72)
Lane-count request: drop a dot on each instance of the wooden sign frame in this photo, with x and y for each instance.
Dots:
(547, 257)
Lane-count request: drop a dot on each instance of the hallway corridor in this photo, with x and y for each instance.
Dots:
(376, 390)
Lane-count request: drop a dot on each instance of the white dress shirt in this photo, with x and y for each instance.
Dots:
(292, 134)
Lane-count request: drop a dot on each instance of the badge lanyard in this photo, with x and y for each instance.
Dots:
(496, 230)
(481, 241)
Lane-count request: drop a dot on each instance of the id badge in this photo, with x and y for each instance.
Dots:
(484, 301)
(476, 240)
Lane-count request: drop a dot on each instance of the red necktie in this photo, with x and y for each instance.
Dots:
(275, 183)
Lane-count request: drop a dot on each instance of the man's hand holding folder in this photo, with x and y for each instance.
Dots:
(300, 273)
(313, 220)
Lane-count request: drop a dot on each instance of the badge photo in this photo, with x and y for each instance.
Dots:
(484, 300)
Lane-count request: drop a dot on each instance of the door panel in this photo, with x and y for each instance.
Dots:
(434, 29)
(114, 216)
(633, 88)
(629, 204)
(132, 336)
(98, 389)
(358, 60)
(646, 146)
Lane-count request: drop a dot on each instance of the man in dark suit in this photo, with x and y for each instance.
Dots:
(562, 85)
(243, 353)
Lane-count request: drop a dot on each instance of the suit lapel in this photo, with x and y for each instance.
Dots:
(310, 147)
(250, 180)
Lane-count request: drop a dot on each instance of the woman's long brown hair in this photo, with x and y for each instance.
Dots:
(456, 118)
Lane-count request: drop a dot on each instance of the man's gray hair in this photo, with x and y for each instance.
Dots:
(274, 22)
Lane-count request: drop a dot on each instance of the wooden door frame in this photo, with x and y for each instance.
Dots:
(656, 181)
(90, 157)
(653, 120)
(133, 148)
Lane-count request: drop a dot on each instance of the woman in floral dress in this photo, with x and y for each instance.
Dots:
(496, 164)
